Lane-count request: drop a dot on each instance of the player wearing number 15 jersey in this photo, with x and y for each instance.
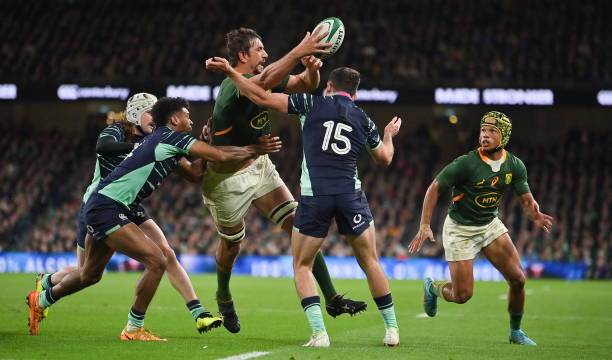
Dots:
(335, 131)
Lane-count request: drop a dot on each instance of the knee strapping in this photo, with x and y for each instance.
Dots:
(280, 213)
(234, 237)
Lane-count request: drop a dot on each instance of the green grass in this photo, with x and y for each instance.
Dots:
(568, 320)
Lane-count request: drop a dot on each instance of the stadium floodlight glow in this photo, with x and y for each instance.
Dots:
(190, 92)
(8, 91)
(374, 95)
(541, 97)
(75, 92)
(458, 96)
(604, 97)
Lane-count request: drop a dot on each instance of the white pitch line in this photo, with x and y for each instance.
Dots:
(245, 356)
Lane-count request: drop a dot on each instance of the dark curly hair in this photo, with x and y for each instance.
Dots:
(165, 107)
(239, 41)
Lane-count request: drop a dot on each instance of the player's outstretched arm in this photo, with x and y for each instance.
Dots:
(429, 204)
(191, 171)
(266, 144)
(273, 74)
(308, 80)
(532, 210)
(247, 88)
(384, 153)
(108, 146)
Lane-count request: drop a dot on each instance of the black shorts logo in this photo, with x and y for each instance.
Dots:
(357, 218)
(122, 216)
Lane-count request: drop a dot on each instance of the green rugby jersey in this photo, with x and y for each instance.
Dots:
(478, 188)
(105, 164)
(237, 120)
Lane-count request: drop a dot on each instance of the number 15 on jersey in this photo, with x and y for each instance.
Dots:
(338, 137)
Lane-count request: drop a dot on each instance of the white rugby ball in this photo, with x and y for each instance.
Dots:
(335, 28)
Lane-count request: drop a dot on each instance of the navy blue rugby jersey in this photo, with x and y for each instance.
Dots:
(144, 169)
(334, 132)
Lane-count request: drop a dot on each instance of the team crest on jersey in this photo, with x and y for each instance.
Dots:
(260, 120)
(488, 200)
(508, 178)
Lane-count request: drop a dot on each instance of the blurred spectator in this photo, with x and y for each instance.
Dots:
(393, 43)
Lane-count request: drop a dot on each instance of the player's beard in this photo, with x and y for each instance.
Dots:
(258, 69)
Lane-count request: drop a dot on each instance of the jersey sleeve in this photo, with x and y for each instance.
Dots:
(282, 86)
(115, 131)
(300, 104)
(519, 179)
(373, 140)
(181, 142)
(453, 173)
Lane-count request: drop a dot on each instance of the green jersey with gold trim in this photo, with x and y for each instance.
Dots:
(237, 120)
(479, 183)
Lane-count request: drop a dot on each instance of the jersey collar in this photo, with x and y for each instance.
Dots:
(344, 93)
(486, 160)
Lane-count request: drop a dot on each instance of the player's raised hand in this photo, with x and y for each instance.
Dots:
(312, 63)
(393, 127)
(218, 64)
(311, 44)
(417, 243)
(268, 144)
(543, 221)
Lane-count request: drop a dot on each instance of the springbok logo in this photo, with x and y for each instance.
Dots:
(488, 200)
(260, 120)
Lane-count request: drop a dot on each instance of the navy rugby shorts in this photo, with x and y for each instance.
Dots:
(315, 213)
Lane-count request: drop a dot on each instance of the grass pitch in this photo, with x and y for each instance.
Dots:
(568, 320)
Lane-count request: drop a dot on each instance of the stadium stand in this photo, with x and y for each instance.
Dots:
(399, 43)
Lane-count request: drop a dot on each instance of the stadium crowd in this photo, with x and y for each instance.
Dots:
(393, 43)
(44, 176)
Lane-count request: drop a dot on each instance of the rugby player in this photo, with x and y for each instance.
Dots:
(478, 181)
(229, 190)
(125, 131)
(134, 179)
(335, 131)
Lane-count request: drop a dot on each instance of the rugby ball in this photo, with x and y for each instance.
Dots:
(335, 28)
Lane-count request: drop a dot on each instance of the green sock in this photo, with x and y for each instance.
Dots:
(45, 299)
(387, 310)
(515, 320)
(135, 319)
(312, 309)
(437, 286)
(389, 317)
(195, 308)
(319, 270)
(223, 290)
(46, 281)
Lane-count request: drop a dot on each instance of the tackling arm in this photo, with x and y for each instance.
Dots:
(191, 171)
(265, 144)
